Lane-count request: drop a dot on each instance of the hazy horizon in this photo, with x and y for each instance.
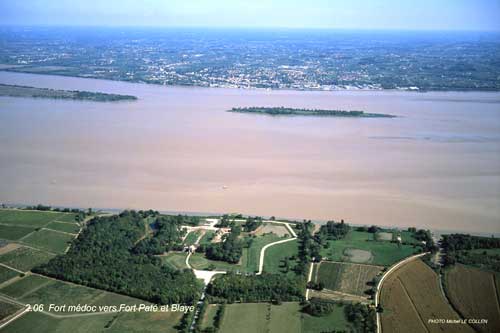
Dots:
(447, 15)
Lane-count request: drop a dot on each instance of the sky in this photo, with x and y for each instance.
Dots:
(481, 15)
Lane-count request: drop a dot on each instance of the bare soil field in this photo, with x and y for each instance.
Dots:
(412, 299)
(473, 294)
(277, 229)
(358, 256)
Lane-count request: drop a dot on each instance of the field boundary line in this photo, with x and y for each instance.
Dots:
(19, 313)
(12, 268)
(59, 231)
(412, 303)
(37, 288)
(382, 279)
(351, 263)
(29, 246)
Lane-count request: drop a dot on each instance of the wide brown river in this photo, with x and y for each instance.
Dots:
(176, 149)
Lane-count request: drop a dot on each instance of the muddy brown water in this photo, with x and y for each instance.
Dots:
(437, 165)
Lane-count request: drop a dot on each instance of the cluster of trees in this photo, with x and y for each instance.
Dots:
(456, 242)
(103, 257)
(167, 236)
(334, 231)
(225, 221)
(256, 288)
(315, 285)
(319, 307)
(80, 214)
(252, 223)
(309, 247)
(229, 250)
(460, 248)
(362, 317)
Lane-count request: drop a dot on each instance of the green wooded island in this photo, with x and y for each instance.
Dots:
(26, 91)
(285, 111)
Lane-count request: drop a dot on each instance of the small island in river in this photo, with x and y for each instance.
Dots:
(26, 91)
(286, 111)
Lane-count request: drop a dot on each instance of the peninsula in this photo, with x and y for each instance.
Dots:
(26, 91)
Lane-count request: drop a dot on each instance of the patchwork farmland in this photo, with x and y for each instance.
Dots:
(411, 298)
(474, 293)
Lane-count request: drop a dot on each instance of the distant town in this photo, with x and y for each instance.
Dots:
(299, 60)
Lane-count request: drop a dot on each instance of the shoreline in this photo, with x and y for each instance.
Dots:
(434, 231)
(418, 92)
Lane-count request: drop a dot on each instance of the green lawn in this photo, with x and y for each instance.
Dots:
(64, 226)
(138, 322)
(7, 274)
(261, 317)
(335, 321)
(37, 322)
(198, 261)
(207, 237)
(10, 232)
(174, 260)
(25, 285)
(61, 293)
(383, 253)
(67, 217)
(29, 218)
(24, 258)
(209, 316)
(191, 238)
(250, 257)
(49, 240)
(277, 254)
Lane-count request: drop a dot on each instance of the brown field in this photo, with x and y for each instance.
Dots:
(411, 296)
(277, 229)
(473, 293)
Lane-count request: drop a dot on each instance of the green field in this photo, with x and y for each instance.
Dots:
(67, 217)
(31, 218)
(62, 293)
(333, 322)
(207, 237)
(209, 316)
(64, 226)
(24, 258)
(198, 261)
(7, 309)
(261, 317)
(25, 285)
(134, 322)
(383, 253)
(191, 238)
(36, 322)
(49, 240)
(250, 257)
(277, 254)
(7, 274)
(175, 260)
(10, 232)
